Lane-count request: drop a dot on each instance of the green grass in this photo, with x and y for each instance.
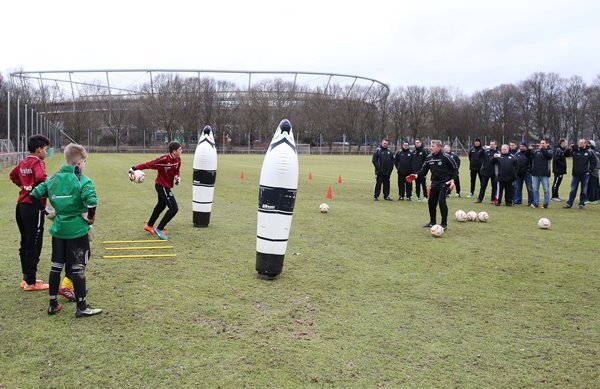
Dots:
(367, 297)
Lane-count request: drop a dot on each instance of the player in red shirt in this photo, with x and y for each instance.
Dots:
(27, 175)
(168, 166)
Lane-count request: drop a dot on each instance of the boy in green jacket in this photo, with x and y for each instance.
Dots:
(73, 196)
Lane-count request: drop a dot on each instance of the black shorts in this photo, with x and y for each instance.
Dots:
(71, 251)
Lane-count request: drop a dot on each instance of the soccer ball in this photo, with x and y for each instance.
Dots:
(460, 215)
(471, 216)
(138, 176)
(437, 230)
(544, 223)
(324, 208)
(483, 216)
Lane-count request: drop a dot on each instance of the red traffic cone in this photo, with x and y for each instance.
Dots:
(339, 179)
(242, 175)
(329, 194)
(310, 176)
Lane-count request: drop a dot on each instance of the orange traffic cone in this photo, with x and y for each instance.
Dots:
(339, 179)
(310, 176)
(242, 175)
(329, 194)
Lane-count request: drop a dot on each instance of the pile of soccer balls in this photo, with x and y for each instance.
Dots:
(471, 216)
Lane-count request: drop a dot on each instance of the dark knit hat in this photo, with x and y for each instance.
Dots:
(523, 143)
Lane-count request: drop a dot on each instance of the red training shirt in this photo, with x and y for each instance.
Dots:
(28, 173)
(167, 167)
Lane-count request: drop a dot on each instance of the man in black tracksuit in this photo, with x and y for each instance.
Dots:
(402, 160)
(418, 159)
(523, 175)
(487, 172)
(584, 162)
(506, 165)
(383, 161)
(443, 168)
(456, 158)
(559, 167)
(475, 161)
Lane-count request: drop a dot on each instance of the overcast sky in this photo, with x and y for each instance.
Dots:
(470, 45)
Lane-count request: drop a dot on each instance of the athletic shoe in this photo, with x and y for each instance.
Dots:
(88, 311)
(428, 225)
(400, 198)
(458, 195)
(161, 235)
(149, 229)
(558, 199)
(533, 206)
(67, 293)
(23, 283)
(375, 199)
(545, 206)
(52, 310)
(36, 286)
(477, 201)
(566, 206)
(387, 198)
(470, 196)
(408, 199)
(444, 226)
(581, 206)
(495, 202)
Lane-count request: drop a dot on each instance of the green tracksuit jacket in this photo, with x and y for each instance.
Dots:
(70, 195)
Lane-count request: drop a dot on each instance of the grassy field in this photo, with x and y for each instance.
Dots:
(367, 297)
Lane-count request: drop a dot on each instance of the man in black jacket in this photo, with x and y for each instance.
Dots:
(456, 158)
(402, 160)
(584, 162)
(540, 173)
(475, 160)
(523, 175)
(383, 161)
(419, 155)
(559, 167)
(506, 165)
(487, 172)
(443, 168)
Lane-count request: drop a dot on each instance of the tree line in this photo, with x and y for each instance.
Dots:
(170, 106)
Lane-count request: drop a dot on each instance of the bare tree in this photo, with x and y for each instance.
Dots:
(417, 109)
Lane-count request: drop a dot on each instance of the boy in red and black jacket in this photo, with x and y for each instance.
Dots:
(28, 174)
(168, 167)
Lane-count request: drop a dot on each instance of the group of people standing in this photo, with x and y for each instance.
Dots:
(505, 170)
(512, 167)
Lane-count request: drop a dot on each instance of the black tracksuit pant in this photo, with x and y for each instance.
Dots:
(438, 196)
(404, 188)
(380, 180)
(31, 226)
(165, 199)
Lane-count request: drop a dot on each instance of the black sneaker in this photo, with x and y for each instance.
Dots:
(428, 225)
(387, 198)
(581, 206)
(545, 206)
(444, 226)
(88, 311)
(52, 310)
(400, 198)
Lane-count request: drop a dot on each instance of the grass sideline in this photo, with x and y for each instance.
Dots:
(367, 297)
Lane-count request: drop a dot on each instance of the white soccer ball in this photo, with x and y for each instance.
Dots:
(471, 216)
(483, 216)
(138, 176)
(324, 208)
(461, 215)
(544, 223)
(437, 230)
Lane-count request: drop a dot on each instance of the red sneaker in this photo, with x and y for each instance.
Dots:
(36, 286)
(52, 310)
(149, 229)
(67, 293)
